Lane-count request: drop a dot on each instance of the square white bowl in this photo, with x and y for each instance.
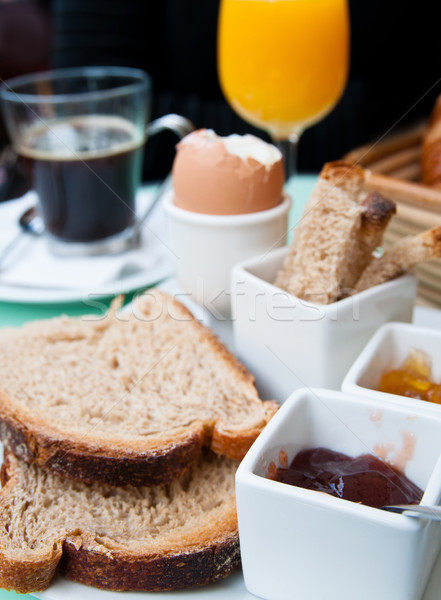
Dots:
(309, 545)
(288, 343)
(388, 349)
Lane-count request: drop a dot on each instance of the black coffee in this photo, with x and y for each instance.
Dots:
(86, 171)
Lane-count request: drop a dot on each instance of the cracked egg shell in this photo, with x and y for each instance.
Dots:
(227, 175)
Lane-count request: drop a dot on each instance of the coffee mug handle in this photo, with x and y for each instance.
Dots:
(181, 127)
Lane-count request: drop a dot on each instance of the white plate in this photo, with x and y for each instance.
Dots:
(158, 263)
(233, 587)
(29, 295)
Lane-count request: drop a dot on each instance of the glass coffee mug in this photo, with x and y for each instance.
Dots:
(81, 134)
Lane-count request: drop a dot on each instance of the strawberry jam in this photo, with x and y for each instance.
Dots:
(365, 479)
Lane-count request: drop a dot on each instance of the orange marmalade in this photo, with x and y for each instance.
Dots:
(412, 379)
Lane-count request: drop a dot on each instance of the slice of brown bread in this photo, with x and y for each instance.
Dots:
(178, 535)
(335, 239)
(128, 399)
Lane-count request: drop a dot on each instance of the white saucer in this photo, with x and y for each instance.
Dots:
(130, 271)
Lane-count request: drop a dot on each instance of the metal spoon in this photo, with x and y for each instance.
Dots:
(432, 513)
(30, 222)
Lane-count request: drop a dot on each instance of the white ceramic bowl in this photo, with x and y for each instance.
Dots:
(288, 343)
(298, 543)
(207, 246)
(388, 349)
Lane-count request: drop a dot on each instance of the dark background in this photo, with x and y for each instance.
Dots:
(394, 74)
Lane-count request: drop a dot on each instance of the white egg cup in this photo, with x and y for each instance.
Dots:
(306, 544)
(288, 343)
(206, 247)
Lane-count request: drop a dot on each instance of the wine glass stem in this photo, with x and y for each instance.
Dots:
(288, 148)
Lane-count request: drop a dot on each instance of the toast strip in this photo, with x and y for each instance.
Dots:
(317, 261)
(334, 241)
(404, 255)
(376, 214)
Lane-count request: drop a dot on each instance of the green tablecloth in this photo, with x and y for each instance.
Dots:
(15, 314)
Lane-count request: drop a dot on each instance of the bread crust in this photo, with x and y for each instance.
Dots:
(238, 446)
(80, 461)
(344, 175)
(103, 462)
(212, 555)
(162, 573)
(157, 459)
(32, 577)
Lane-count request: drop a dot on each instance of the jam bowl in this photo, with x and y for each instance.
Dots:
(312, 545)
(400, 362)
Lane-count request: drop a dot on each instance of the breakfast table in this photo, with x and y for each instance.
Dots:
(15, 312)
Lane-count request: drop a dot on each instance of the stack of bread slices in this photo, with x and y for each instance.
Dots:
(122, 436)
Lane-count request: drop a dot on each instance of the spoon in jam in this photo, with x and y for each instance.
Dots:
(432, 513)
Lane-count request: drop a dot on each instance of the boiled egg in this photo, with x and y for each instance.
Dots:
(226, 175)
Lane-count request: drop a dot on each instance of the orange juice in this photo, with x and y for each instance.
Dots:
(283, 63)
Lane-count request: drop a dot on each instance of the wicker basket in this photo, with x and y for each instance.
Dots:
(394, 169)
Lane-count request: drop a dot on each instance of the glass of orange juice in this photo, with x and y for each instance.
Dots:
(283, 64)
